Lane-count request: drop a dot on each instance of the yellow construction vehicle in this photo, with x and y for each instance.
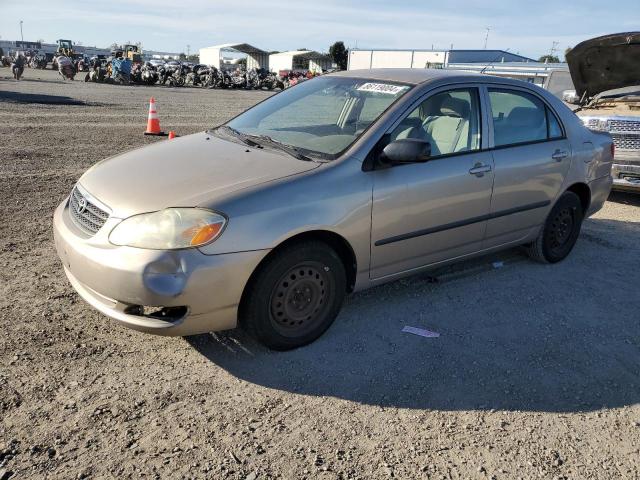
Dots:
(132, 52)
(65, 47)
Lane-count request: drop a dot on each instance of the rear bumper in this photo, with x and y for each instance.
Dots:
(626, 171)
(203, 291)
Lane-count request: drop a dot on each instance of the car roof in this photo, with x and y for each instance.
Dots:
(414, 76)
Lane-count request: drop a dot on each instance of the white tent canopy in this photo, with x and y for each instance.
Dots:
(256, 58)
(301, 60)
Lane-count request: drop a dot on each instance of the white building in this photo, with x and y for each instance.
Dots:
(223, 56)
(300, 60)
(388, 58)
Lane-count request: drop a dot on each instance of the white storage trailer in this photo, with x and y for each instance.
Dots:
(364, 59)
(300, 60)
(214, 56)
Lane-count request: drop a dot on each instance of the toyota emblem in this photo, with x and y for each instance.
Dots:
(81, 206)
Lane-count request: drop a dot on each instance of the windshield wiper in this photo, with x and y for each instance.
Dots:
(240, 136)
(290, 149)
(258, 141)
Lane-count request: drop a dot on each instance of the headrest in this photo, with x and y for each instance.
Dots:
(434, 105)
(526, 117)
(455, 107)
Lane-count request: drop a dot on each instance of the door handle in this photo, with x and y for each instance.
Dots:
(479, 169)
(560, 155)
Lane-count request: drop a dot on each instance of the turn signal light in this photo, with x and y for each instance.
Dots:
(204, 234)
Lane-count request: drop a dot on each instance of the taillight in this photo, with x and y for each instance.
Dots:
(613, 150)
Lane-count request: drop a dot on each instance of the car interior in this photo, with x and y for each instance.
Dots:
(517, 117)
(445, 121)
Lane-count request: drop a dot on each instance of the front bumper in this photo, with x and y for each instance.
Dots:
(626, 171)
(205, 290)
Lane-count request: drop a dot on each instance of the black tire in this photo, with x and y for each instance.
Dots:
(560, 232)
(295, 296)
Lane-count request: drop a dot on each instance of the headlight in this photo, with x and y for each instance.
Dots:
(168, 229)
(595, 123)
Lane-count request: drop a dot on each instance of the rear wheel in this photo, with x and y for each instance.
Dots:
(560, 232)
(295, 296)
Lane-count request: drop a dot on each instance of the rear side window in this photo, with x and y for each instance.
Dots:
(519, 117)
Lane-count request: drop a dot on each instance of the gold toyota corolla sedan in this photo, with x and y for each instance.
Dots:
(338, 184)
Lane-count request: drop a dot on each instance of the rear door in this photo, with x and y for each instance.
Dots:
(531, 156)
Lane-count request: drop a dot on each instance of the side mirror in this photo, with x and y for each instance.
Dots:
(406, 150)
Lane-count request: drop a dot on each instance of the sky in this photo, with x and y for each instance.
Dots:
(529, 28)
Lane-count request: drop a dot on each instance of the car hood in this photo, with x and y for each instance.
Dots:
(605, 63)
(184, 172)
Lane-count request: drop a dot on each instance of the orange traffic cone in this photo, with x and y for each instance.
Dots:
(153, 123)
(172, 135)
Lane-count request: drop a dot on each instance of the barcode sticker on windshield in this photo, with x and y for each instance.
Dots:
(382, 88)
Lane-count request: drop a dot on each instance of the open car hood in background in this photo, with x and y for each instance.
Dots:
(605, 63)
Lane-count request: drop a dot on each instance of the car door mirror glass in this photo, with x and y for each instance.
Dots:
(406, 150)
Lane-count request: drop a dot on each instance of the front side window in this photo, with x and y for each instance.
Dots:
(319, 117)
(449, 121)
(520, 117)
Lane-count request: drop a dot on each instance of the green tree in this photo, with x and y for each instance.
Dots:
(339, 55)
(549, 59)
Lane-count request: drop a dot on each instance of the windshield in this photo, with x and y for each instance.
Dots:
(320, 117)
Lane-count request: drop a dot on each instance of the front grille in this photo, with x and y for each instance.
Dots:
(626, 141)
(86, 214)
(624, 126)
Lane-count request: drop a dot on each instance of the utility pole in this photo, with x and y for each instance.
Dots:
(554, 47)
(21, 36)
(486, 37)
(188, 50)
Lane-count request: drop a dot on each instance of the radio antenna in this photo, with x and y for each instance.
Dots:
(494, 60)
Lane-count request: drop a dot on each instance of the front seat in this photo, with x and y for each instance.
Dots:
(413, 125)
(449, 131)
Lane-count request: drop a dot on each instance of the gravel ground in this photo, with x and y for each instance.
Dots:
(536, 373)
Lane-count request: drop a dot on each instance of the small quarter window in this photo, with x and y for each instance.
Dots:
(555, 131)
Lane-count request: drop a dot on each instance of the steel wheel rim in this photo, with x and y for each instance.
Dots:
(299, 299)
(561, 229)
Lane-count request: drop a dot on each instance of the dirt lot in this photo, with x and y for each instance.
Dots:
(536, 373)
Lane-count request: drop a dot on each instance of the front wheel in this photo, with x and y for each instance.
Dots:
(560, 231)
(295, 296)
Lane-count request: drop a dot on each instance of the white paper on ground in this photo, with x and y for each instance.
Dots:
(421, 331)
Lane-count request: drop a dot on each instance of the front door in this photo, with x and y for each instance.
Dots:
(424, 213)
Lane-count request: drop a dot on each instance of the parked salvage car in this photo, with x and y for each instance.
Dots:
(606, 74)
(338, 184)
